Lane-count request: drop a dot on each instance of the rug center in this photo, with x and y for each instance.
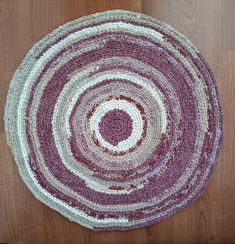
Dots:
(115, 126)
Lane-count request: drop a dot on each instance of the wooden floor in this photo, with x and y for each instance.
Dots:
(210, 24)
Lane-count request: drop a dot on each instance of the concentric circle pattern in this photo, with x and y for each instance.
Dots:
(114, 120)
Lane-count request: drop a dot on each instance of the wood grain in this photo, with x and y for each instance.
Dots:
(210, 25)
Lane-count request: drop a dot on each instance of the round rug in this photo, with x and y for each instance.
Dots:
(114, 120)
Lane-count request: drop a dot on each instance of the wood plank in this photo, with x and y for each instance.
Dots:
(209, 24)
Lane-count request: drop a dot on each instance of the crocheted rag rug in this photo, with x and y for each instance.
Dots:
(114, 120)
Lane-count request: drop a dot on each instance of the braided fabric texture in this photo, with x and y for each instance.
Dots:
(114, 120)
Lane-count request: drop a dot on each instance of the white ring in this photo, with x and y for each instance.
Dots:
(137, 124)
